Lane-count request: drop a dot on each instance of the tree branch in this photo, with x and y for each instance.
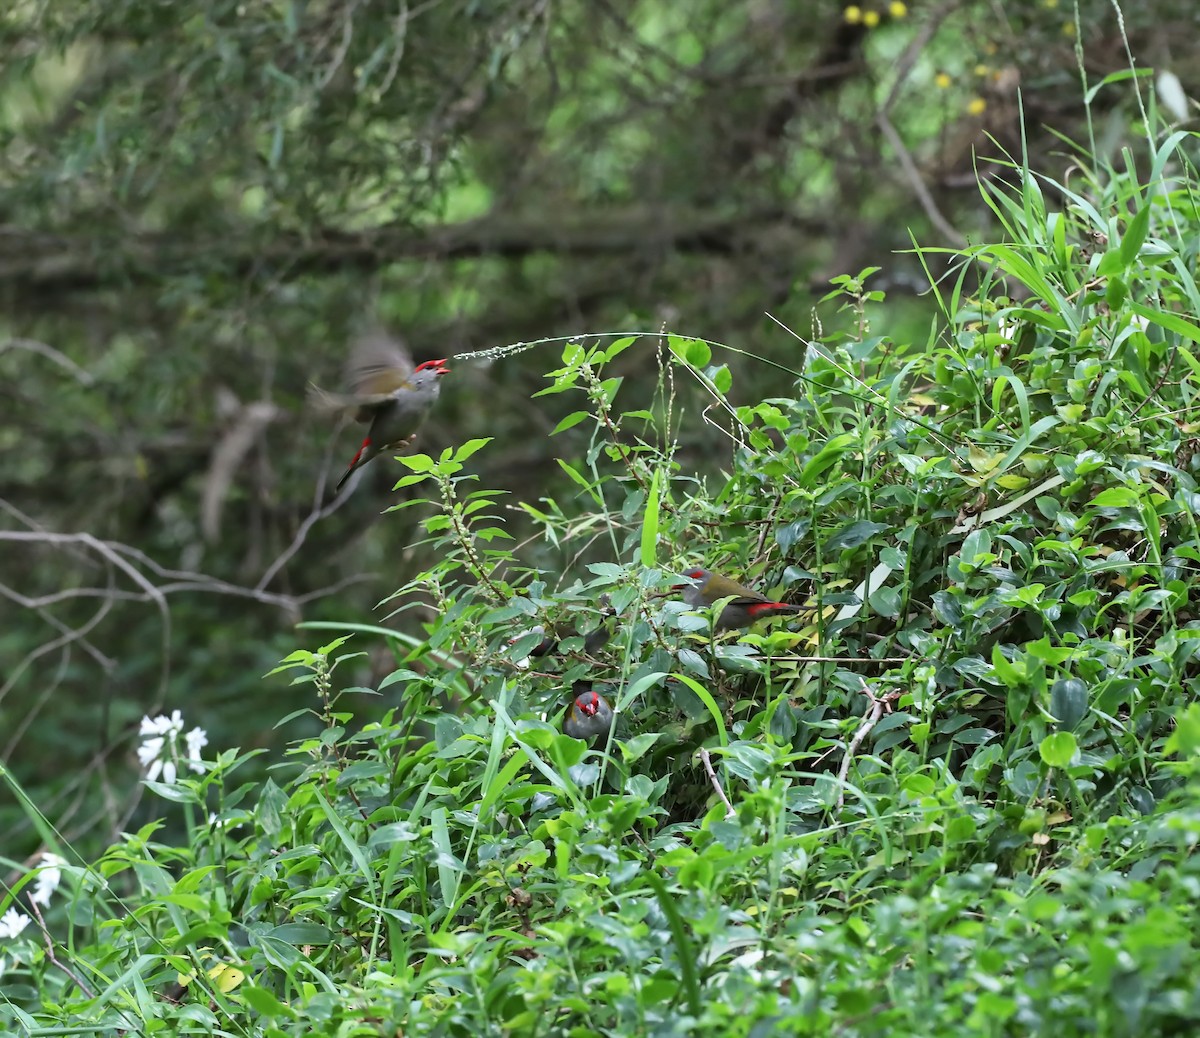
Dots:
(36, 262)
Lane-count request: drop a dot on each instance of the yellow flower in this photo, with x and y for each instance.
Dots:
(853, 14)
(897, 10)
(870, 19)
(1068, 28)
(976, 106)
(942, 80)
(1049, 3)
(981, 70)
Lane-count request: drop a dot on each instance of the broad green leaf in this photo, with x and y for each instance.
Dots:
(1059, 749)
(698, 353)
(1115, 497)
(571, 420)
(470, 447)
(1068, 702)
(417, 462)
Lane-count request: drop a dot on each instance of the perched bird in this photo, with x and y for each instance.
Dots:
(590, 716)
(387, 391)
(704, 588)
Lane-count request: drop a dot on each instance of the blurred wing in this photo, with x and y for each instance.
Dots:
(327, 403)
(379, 365)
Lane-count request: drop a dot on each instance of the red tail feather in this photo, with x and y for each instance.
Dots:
(767, 608)
(365, 444)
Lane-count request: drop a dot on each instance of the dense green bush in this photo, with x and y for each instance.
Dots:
(957, 796)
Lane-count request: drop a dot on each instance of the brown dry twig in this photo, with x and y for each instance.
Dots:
(877, 705)
(716, 784)
(49, 942)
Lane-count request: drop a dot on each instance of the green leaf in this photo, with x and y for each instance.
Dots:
(470, 447)
(572, 420)
(685, 954)
(574, 474)
(826, 458)
(348, 841)
(264, 1002)
(1185, 740)
(1068, 702)
(1135, 236)
(1059, 749)
(447, 864)
(1115, 497)
(649, 547)
(609, 388)
(1172, 322)
(854, 534)
(418, 462)
(710, 704)
(177, 794)
(300, 933)
(1110, 264)
(633, 749)
(698, 353)
(619, 347)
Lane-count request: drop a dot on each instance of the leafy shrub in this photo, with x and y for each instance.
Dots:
(959, 793)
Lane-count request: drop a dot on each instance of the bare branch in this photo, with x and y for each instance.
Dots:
(712, 777)
(247, 427)
(875, 708)
(59, 358)
(41, 263)
(904, 66)
(50, 954)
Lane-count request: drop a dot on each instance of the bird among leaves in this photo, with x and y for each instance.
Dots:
(590, 716)
(705, 588)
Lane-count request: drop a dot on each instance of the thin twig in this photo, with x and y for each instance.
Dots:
(37, 914)
(59, 358)
(712, 777)
(316, 513)
(843, 659)
(870, 719)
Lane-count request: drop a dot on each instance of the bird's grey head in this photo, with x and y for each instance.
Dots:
(429, 374)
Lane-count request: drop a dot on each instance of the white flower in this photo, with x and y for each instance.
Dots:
(12, 923)
(160, 753)
(162, 724)
(47, 880)
(150, 750)
(164, 769)
(196, 740)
